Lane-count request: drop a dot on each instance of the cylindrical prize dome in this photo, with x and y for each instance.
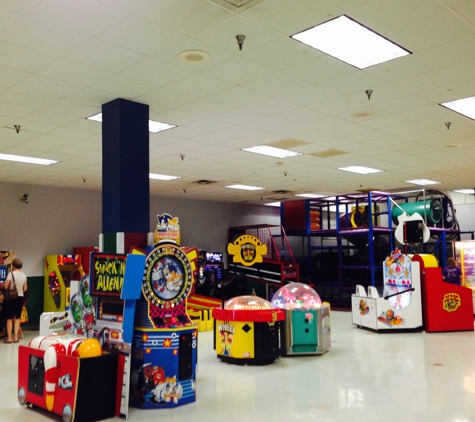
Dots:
(248, 302)
(296, 296)
(432, 207)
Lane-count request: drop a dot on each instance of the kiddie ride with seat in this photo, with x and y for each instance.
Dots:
(400, 306)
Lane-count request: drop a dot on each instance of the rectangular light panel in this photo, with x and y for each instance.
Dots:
(153, 126)
(272, 151)
(465, 106)
(360, 169)
(422, 182)
(244, 187)
(29, 160)
(162, 176)
(351, 42)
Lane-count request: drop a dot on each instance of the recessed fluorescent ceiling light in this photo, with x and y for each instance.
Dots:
(466, 191)
(153, 126)
(310, 195)
(273, 204)
(465, 106)
(360, 169)
(244, 187)
(29, 160)
(422, 182)
(351, 42)
(162, 176)
(272, 151)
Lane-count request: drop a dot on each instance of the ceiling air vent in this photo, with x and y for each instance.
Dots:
(281, 192)
(204, 182)
(238, 5)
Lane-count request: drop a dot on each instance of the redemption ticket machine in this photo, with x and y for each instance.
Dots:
(164, 353)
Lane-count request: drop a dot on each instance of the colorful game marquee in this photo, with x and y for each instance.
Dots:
(164, 353)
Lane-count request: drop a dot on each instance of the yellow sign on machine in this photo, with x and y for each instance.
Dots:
(235, 339)
(247, 250)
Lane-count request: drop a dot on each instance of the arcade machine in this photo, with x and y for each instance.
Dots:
(400, 307)
(6, 259)
(102, 308)
(446, 306)
(307, 321)
(60, 270)
(247, 331)
(165, 340)
(60, 373)
(465, 255)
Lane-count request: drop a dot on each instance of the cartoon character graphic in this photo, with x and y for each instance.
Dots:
(77, 326)
(174, 279)
(390, 319)
(363, 307)
(89, 313)
(169, 391)
(159, 281)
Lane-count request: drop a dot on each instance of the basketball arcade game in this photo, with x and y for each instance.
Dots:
(165, 341)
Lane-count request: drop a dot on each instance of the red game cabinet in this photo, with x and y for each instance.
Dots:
(86, 389)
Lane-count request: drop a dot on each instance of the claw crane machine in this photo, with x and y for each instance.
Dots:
(465, 256)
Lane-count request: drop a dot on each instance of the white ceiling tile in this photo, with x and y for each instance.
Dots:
(147, 38)
(270, 106)
(450, 53)
(156, 72)
(425, 81)
(238, 96)
(124, 87)
(206, 108)
(188, 17)
(275, 84)
(200, 85)
(238, 71)
(85, 17)
(24, 59)
(167, 97)
(42, 36)
(106, 56)
(48, 86)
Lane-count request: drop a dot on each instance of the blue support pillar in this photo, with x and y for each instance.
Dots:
(125, 167)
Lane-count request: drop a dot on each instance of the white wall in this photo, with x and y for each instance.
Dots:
(57, 219)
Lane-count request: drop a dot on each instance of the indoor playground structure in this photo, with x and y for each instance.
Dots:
(307, 320)
(341, 241)
(400, 306)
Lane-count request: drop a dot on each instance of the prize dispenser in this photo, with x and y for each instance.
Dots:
(59, 271)
(164, 353)
(60, 373)
(307, 323)
(247, 331)
(465, 254)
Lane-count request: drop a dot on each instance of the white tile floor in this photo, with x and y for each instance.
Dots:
(365, 376)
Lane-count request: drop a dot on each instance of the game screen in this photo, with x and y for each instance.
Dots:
(3, 274)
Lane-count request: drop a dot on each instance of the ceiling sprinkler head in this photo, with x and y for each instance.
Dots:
(448, 124)
(17, 128)
(240, 40)
(368, 93)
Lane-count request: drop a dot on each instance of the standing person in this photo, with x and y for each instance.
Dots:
(12, 308)
(452, 273)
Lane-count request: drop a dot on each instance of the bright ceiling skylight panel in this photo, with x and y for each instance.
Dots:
(360, 169)
(351, 42)
(29, 160)
(244, 187)
(273, 204)
(465, 106)
(422, 182)
(272, 151)
(153, 126)
(162, 176)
